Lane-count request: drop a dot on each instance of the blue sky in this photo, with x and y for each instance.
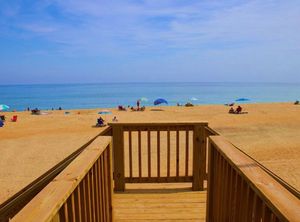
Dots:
(73, 41)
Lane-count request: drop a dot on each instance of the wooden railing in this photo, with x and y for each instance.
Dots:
(240, 190)
(81, 192)
(14, 204)
(159, 152)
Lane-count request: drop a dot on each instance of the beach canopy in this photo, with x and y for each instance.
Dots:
(103, 112)
(242, 99)
(4, 107)
(160, 101)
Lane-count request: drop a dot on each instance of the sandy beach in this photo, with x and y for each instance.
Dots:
(270, 133)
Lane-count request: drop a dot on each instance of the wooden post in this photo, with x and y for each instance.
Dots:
(118, 152)
(198, 157)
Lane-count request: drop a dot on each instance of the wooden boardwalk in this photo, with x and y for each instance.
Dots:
(159, 202)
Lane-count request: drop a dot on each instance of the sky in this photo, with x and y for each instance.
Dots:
(94, 41)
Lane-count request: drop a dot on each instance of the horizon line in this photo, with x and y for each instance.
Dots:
(151, 82)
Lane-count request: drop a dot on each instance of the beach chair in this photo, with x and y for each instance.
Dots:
(14, 118)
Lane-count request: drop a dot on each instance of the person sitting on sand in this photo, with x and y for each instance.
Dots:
(121, 108)
(189, 104)
(238, 110)
(100, 122)
(231, 110)
(115, 119)
(297, 102)
(1, 123)
(2, 117)
(36, 111)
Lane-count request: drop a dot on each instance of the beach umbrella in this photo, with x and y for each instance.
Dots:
(4, 107)
(160, 101)
(242, 100)
(104, 112)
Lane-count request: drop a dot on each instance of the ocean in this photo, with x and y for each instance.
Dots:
(106, 95)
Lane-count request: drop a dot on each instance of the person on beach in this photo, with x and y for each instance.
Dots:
(100, 122)
(138, 104)
(1, 123)
(231, 110)
(238, 110)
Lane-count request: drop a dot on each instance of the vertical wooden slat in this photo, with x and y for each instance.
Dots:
(218, 185)
(92, 188)
(78, 204)
(130, 152)
(266, 214)
(230, 186)
(140, 153)
(158, 154)
(100, 190)
(66, 219)
(234, 197)
(187, 152)
(56, 218)
(168, 153)
(103, 189)
(227, 188)
(242, 193)
(246, 204)
(83, 200)
(96, 185)
(257, 209)
(89, 202)
(73, 210)
(251, 205)
(243, 200)
(118, 143)
(177, 153)
(149, 152)
(224, 188)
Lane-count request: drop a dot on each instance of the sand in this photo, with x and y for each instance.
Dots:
(270, 133)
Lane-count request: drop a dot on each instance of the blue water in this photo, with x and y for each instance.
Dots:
(81, 96)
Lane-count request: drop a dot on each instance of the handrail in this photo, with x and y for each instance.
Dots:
(15, 203)
(289, 187)
(240, 190)
(82, 190)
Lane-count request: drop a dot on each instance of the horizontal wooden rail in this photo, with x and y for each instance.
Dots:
(81, 192)
(240, 190)
(159, 152)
